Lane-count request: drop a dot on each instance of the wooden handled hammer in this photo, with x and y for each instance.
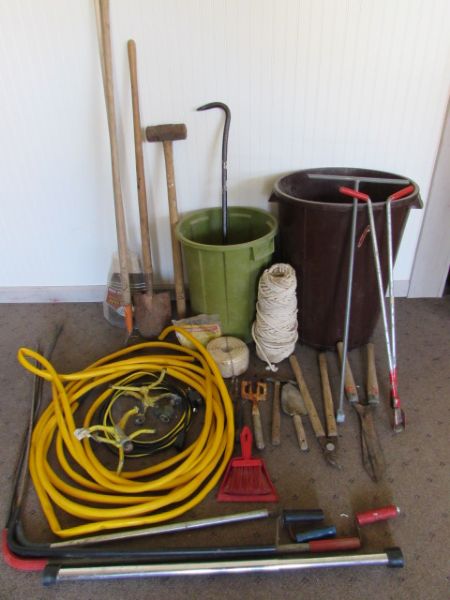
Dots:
(168, 134)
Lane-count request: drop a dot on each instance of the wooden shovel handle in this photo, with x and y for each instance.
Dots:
(140, 173)
(173, 217)
(309, 404)
(118, 202)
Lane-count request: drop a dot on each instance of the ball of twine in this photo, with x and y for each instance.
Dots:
(275, 328)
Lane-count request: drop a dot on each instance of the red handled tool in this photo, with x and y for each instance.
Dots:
(377, 514)
(399, 415)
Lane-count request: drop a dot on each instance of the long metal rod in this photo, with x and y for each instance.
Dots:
(62, 573)
(168, 528)
(357, 178)
(391, 280)
(376, 255)
(340, 414)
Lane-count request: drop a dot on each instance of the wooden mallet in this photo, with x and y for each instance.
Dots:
(168, 134)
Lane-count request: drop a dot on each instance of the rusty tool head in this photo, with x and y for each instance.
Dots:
(166, 133)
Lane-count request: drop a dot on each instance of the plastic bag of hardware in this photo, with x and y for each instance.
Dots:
(203, 327)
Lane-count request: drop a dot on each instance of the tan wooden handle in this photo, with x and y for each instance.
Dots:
(300, 431)
(373, 392)
(140, 172)
(309, 404)
(327, 396)
(111, 112)
(350, 387)
(257, 428)
(276, 417)
(173, 217)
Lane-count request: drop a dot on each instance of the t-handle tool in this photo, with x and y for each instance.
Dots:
(327, 444)
(399, 415)
(255, 392)
(340, 414)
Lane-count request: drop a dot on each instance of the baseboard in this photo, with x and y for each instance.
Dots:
(96, 293)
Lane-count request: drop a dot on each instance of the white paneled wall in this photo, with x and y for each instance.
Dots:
(310, 83)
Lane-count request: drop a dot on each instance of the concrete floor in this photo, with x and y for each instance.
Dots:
(417, 477)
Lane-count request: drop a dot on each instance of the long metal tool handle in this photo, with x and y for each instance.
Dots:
(376, 255)
(117, 189)
(226, 130)
(391, 557)
(140, 172)
(164, 529)
(340, 414)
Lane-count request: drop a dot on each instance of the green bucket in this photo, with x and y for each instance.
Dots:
(223, 279)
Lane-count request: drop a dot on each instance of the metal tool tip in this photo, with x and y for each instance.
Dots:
(340, 416)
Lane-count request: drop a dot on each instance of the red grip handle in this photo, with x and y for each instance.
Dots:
(350, 543)
(377, 514)
(353, 193)
(402, 193)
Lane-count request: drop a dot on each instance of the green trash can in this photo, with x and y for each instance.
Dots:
(223, 279)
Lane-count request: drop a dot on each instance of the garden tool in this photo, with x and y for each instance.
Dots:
(328, 444)
(226, 129)
(255, 393)
(372, 455)
(399, 416)
(167, 134)
(328, 405)
(152, 311)
(373, 392)
(293, 405)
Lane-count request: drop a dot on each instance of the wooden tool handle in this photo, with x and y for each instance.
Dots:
(300, 431)
(309, 404)
(350, 387)
(276, 418)
(257, 428)
(140, 173)
(173, 217)
(118, 202)
(373, 393)
(327, 397)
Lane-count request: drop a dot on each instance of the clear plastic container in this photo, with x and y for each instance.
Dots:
(113, 309)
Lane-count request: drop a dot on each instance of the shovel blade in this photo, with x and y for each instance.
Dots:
(152, 313)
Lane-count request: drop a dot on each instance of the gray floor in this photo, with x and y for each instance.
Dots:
(417, 477)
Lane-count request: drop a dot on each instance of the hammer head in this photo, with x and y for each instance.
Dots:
(166, 133)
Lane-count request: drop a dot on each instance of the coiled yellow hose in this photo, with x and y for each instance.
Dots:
(94, 493)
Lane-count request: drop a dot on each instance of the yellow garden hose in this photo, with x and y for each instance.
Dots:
(104, 498)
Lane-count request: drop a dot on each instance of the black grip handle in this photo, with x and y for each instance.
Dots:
(396, 560)
(291, 517)
(50, 574)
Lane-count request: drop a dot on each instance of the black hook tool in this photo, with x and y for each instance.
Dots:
(226, 129)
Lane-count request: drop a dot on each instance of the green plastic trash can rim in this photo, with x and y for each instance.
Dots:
(220, 247)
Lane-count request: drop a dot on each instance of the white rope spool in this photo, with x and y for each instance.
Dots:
(275, 328)
(230, 354)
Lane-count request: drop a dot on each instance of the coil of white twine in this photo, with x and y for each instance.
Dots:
(230, 354)
(275, 328)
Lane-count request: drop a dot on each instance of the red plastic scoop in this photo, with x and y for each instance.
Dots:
(246, 479)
